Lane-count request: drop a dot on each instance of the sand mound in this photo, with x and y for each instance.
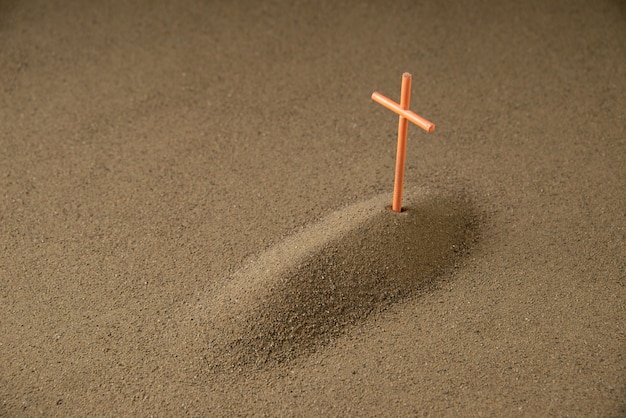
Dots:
(303, 292)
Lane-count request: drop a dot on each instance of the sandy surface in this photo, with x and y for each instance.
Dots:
(193, 222)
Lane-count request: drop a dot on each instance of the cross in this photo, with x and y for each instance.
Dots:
(406, 115)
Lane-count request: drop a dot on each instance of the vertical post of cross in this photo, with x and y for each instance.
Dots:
(403, 127)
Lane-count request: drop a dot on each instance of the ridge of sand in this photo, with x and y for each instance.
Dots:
(300, 293)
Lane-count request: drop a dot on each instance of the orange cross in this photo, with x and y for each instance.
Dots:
(406, 115)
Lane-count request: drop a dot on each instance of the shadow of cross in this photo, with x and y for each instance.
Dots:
(406, 115)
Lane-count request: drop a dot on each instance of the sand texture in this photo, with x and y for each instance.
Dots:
(194, 209)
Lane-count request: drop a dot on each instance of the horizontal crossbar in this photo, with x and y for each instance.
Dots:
(395, 107)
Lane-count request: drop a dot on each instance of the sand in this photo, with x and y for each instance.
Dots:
(194, 221)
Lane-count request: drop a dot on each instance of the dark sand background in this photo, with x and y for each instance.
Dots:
(149, 150)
